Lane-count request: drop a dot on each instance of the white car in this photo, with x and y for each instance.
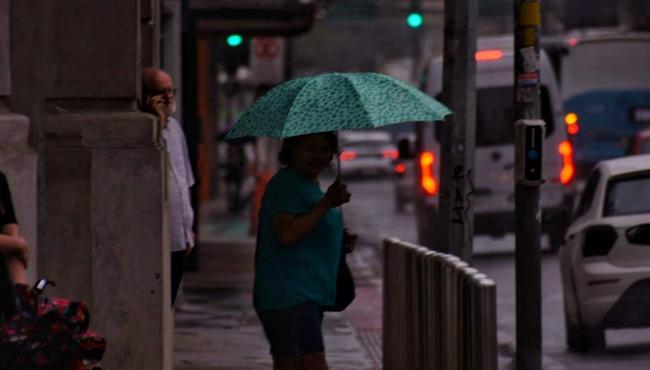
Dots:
(605, 262)
(366, 152)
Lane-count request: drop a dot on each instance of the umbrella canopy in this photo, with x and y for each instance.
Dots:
(334, 102)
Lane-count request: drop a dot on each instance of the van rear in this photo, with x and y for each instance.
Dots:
(494, 197)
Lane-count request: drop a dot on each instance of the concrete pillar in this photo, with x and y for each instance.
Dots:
(171, 58)
(150, 32)
(101, 177)
(17, 158)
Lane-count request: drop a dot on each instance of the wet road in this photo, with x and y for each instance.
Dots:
(371, 214)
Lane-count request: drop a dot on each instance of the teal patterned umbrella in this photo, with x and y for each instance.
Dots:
(334, 102)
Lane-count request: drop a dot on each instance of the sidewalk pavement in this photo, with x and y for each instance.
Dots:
(216, 327)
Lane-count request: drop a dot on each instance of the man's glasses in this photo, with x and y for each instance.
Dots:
(170, 92)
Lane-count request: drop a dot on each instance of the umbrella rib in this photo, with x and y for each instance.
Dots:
(302, 89)
(356, 92)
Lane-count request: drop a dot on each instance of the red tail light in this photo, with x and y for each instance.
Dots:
(428, 182)
(390, 153)
(488, 55)
(568, 169)
(348, 155)
(572, 123)
(400, 168)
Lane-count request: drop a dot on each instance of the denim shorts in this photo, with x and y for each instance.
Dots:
(293, 331)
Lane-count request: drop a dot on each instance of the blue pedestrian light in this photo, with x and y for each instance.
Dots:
(234, 40)
(415, 20)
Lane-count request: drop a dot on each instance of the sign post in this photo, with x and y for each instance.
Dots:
(528, 174)
(267, 60)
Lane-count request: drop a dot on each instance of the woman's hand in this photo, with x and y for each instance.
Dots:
(337, 194)
(349, 241)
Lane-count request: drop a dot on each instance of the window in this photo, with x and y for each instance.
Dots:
(588, 193)
(495, 115)
(628, 195)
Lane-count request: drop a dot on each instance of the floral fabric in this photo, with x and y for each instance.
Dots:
(48, 334)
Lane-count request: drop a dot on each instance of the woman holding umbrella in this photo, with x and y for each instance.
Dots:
(300, 241)
(301, 232)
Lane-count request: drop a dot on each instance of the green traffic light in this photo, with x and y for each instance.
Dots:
(415, 20)
(234, 40)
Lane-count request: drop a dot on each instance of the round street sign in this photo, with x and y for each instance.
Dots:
(266, 48)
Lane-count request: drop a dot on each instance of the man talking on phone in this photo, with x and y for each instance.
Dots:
(159, 99)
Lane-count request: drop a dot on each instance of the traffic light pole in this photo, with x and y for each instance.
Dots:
(424, 217)
(528, 164)
(458, 133)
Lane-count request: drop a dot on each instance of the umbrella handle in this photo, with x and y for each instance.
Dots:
(338, 166)
(338, 173)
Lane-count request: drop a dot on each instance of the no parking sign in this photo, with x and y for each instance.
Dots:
(267, 60)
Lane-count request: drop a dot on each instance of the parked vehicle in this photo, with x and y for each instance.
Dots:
(494, 197)
(405, 174)
(366, 152)
(606, 90)
(605, 263)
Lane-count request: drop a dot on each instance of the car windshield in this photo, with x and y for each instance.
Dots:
(589, 66)
(628, 196)
(366, 143)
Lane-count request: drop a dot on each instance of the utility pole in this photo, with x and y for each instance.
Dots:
(528, 174)
(458, 133)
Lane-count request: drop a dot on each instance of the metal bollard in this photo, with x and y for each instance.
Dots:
(485, 314)
(439, 313)
(449, 348)
(466, 315)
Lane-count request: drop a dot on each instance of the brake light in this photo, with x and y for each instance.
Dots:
(348, 155)
(400, 168)
(390, 153)
(572, 126)
(428, 181)
(568, 169)
(573, 41)
(488, 55)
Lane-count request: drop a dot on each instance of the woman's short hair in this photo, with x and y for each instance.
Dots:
(289, 144)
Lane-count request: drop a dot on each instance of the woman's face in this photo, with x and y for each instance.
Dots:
(312, 155)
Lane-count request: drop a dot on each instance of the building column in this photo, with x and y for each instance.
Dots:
(101, 177)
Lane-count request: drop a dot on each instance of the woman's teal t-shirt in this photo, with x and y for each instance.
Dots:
(306, 271)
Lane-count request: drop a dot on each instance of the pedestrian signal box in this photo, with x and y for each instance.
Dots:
(529, 137)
